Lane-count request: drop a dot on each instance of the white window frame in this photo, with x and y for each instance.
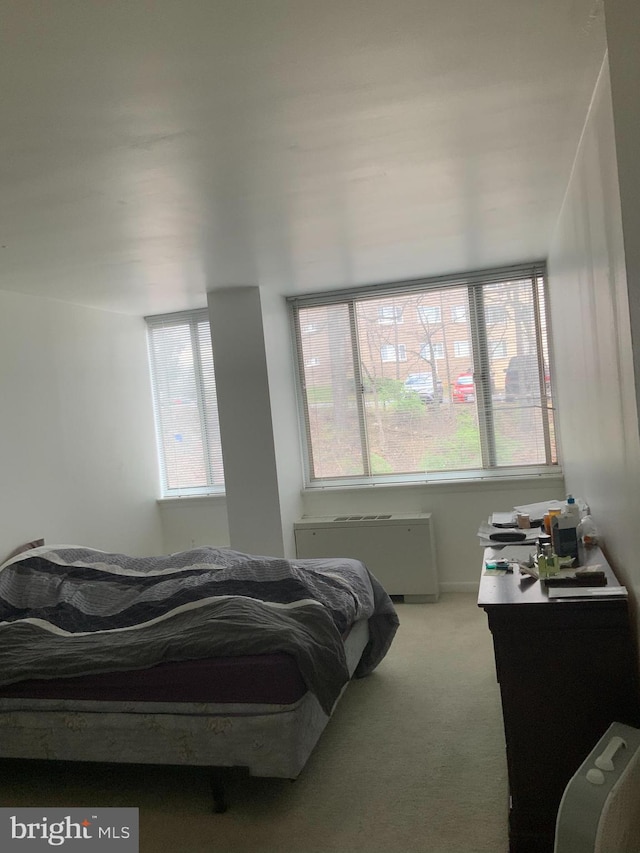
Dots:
(215, 484)
(354, 301)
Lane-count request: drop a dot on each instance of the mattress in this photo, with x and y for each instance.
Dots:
(258, 680)
(269, 679)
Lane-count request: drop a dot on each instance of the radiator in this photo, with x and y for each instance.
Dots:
(398, 549)
(600, 809)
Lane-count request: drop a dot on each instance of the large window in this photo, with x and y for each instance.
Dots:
(185, 404)
(367, 418)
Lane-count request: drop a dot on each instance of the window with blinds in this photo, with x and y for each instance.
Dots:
(185, 404)
(434, 379)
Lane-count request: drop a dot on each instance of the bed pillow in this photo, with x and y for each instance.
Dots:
(37, 543)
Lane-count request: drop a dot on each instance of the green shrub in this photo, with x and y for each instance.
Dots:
(393, 396)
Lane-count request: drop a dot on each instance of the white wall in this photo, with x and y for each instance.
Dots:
(77, 451)
(458, 509)
(623, 29)
(193, 522)
(592, 341)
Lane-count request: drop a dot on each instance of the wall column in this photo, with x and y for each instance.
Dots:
(259, 506)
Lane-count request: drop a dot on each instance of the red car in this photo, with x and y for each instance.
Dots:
(463, 389)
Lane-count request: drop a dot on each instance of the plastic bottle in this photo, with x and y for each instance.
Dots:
(548, 519)
(553, 564)
(588, 532)
(564, 529)
(542, 566)
(572, 510)
(543, 539)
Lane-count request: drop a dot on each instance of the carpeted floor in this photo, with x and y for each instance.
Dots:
(412, 762)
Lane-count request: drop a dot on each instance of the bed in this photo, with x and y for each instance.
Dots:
(207, 657)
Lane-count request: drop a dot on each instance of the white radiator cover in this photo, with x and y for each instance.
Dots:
(398, 549)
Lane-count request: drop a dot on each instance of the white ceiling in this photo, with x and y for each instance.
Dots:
(153, 149)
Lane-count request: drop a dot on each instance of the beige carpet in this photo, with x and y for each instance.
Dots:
(413, 760)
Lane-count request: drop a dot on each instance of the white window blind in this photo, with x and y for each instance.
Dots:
(185, 404)
(429, 313)
(390, 353)
(389, 314)
(365, 415)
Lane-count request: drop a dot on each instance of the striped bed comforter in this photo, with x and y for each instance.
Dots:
(70, 611)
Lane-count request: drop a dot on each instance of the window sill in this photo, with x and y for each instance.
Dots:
(485, 481)
(182, 499)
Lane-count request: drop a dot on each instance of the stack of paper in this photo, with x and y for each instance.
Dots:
(503, 519)
(587, 592)
(503, 526)
(537, 511)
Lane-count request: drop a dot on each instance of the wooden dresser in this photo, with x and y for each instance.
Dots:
(567, 670)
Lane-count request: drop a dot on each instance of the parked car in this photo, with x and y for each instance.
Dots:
(463, 388)
(522, 378)
(422, 384)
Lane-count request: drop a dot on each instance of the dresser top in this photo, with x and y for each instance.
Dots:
(516, 588)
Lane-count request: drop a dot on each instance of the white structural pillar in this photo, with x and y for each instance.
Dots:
(254, 492)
